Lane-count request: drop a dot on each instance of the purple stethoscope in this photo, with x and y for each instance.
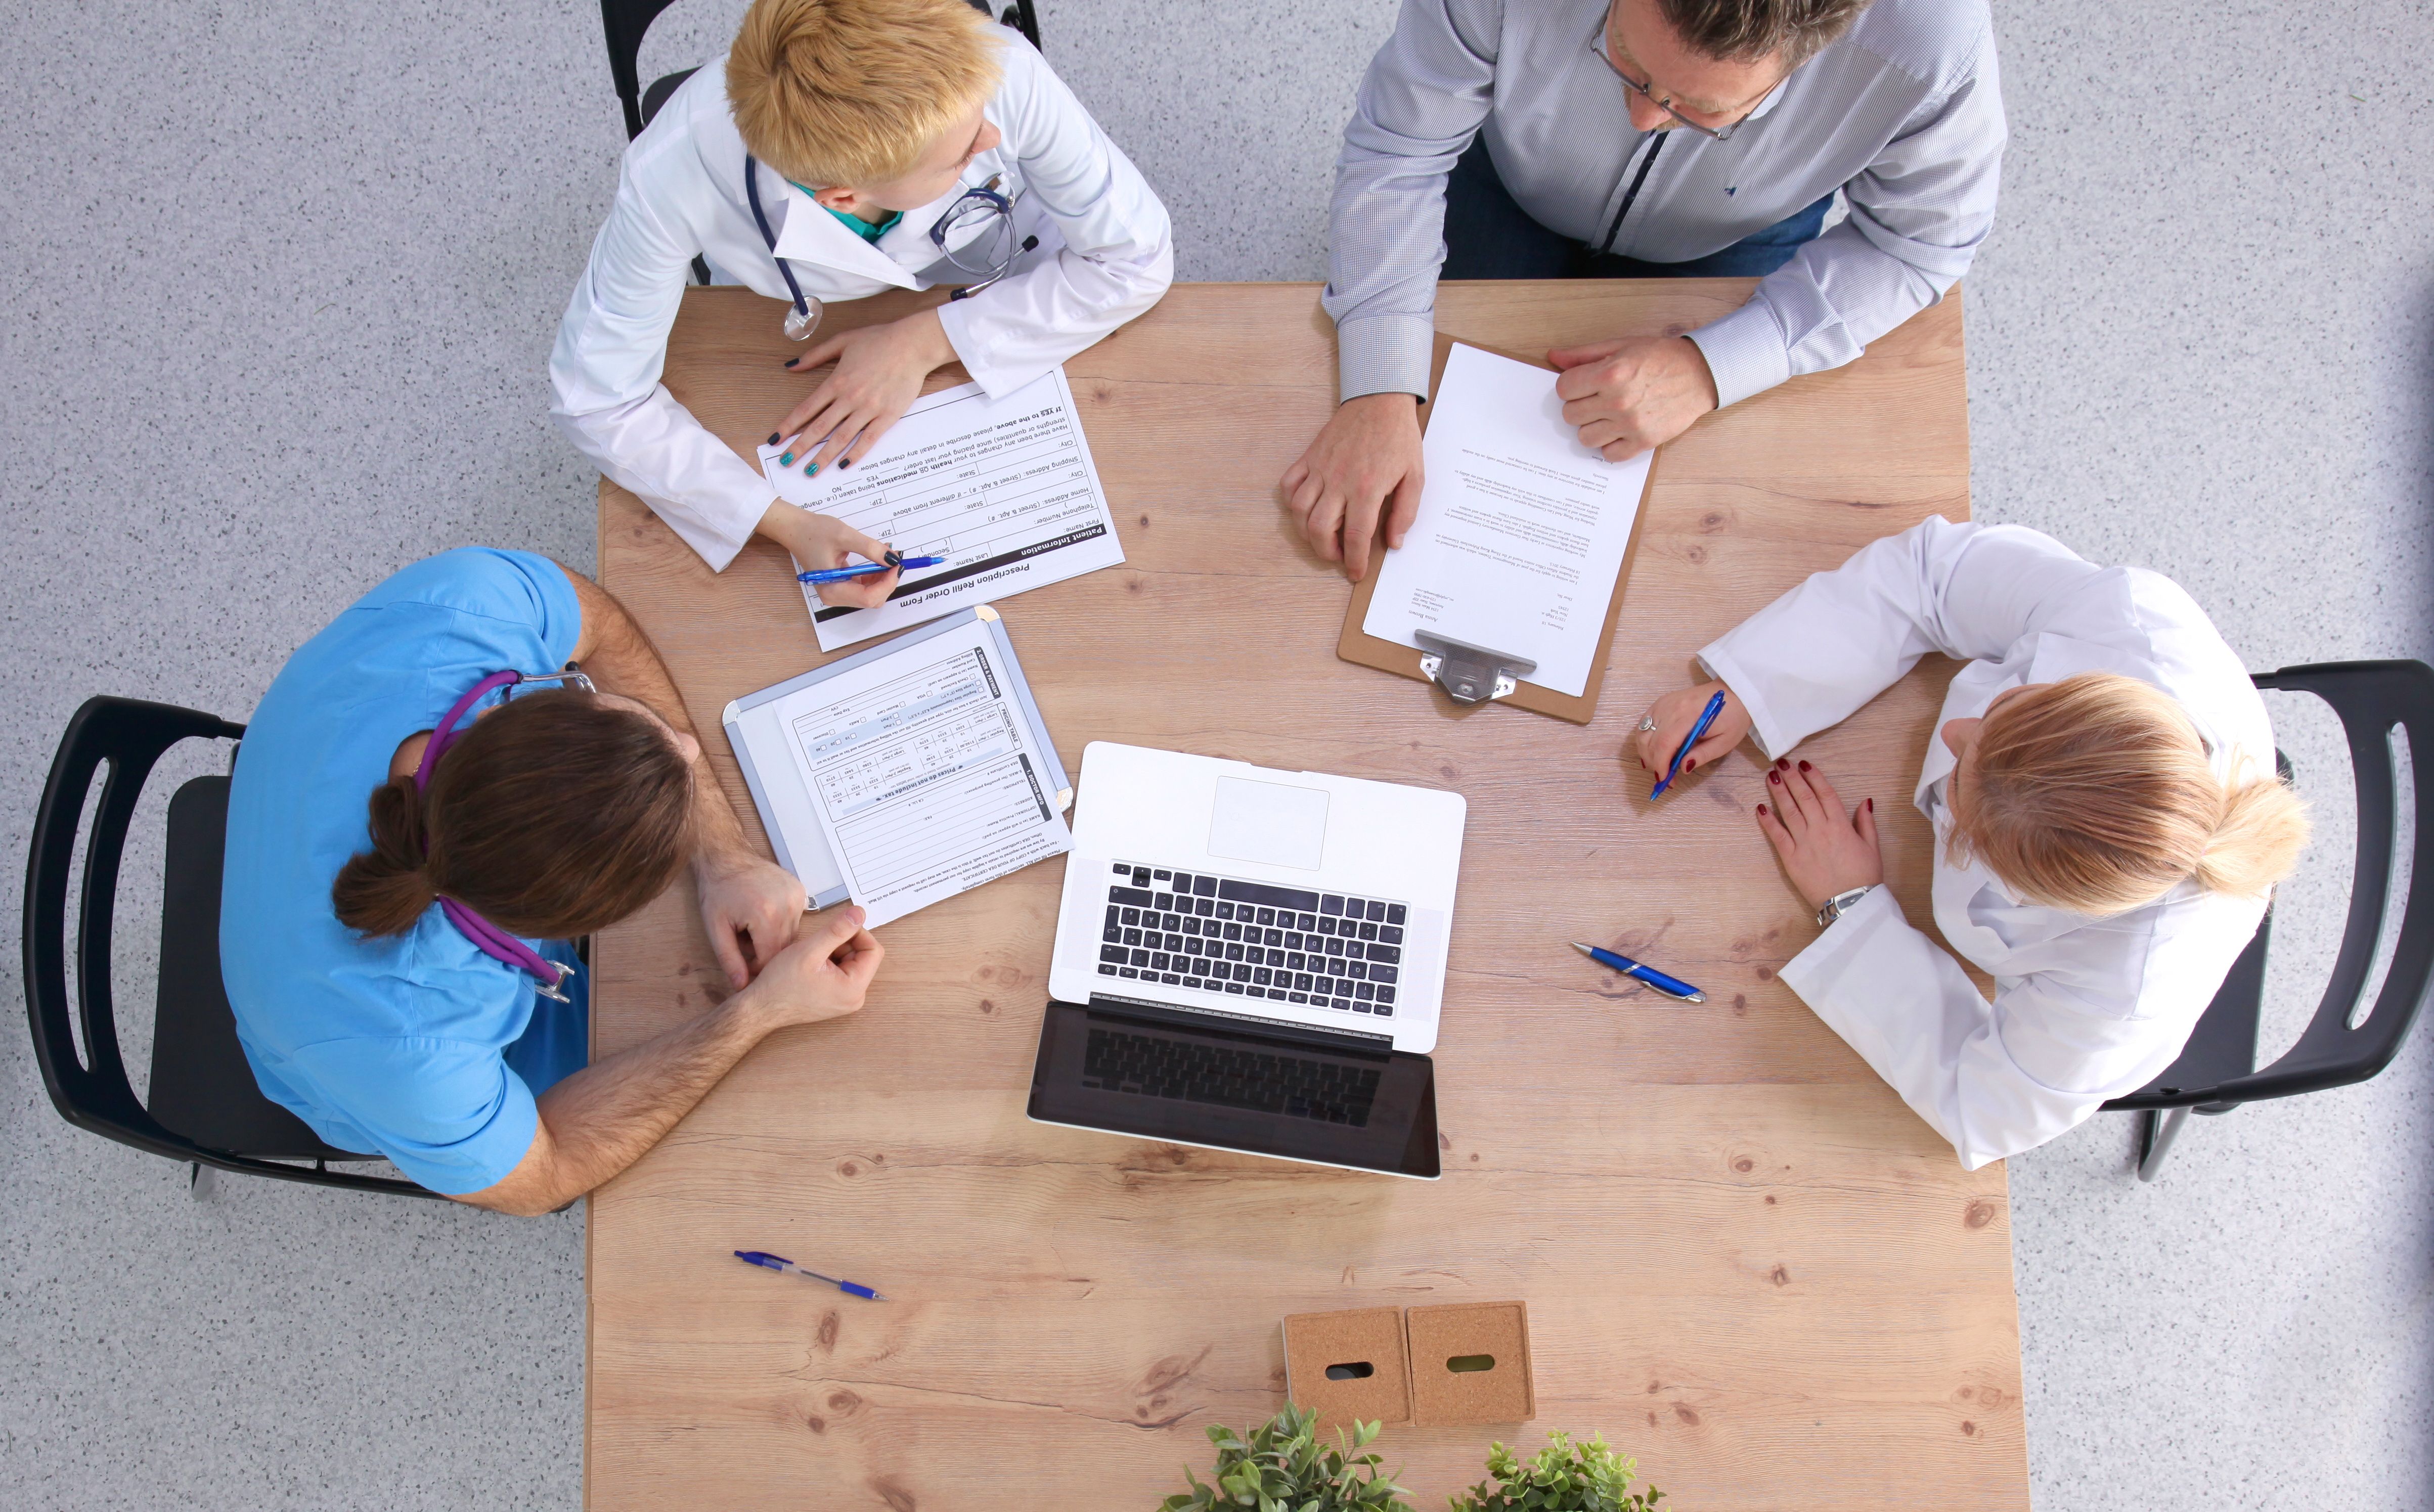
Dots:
(548, 976)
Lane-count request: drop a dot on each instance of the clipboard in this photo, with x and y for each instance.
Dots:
(1477, 671)
(822, 878)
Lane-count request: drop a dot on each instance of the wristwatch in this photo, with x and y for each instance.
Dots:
(1841, 904)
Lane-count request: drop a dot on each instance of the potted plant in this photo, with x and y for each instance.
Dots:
(1281, 1466)
(1565, 1477)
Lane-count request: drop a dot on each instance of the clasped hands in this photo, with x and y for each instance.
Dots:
(1826, 850)
(804, 972)
(1360, 478)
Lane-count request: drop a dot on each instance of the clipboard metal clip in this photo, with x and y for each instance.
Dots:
(1470, 674)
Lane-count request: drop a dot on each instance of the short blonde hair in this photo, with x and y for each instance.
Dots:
(839, 94)
(2094, 795)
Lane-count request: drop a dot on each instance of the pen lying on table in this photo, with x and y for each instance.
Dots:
(838, 575)
(1649, 974)
(769, 1262)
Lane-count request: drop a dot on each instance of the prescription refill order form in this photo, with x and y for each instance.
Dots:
(1003, 489)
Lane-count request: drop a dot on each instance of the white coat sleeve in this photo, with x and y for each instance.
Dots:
(1809, 660)
(607, 397)
(1996, 1078)
(1119, 253)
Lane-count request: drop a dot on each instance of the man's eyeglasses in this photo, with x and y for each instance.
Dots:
(1646, 92)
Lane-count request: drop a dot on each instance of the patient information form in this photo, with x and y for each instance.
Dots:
(921, 773)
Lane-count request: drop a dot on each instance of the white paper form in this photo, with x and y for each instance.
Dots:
(1003, 489)
(921, 773)
(1520, 531)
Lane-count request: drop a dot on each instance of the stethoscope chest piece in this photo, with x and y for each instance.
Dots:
(803, 317)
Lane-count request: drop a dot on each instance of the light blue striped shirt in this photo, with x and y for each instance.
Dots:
(1903, 114)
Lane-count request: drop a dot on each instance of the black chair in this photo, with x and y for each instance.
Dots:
(2347, 1040)
(204, 1107)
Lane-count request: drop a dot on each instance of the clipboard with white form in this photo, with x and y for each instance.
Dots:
(908, 773)
(1513, 591)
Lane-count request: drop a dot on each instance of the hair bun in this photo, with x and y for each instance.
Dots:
(383, 890)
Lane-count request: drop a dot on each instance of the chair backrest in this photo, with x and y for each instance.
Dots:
(92, 1091)
(130, 735)
(2339, 1046)
(627, 21)
(1019, 16)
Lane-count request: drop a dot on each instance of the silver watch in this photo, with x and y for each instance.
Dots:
(1841, 904)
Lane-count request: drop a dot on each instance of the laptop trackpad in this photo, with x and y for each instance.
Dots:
(1269, 822)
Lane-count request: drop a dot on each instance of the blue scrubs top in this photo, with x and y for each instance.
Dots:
(418, 1046)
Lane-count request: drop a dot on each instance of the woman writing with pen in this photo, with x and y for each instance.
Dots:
(2107, 820)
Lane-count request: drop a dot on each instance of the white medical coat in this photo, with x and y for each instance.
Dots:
(1106, 254)
(2084, 1008)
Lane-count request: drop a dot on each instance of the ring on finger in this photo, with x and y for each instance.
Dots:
(1647, 723)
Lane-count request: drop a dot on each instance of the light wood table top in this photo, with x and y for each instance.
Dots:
(1745, 1261)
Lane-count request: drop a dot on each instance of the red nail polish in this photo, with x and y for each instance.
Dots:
(1872, 806)
(1803, 767)
(1761, 808)
(1774, 777)
(1782, 763)
(1690, 767)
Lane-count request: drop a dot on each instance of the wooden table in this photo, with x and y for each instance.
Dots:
(1745, 1261)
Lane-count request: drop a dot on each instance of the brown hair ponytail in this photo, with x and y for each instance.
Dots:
(382, 891)
(550, 818)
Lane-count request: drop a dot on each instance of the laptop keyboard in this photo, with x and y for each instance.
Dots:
(1324, 1092)
(1253, 940)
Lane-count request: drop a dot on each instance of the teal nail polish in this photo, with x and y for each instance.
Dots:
(812, 470)
(787, 460)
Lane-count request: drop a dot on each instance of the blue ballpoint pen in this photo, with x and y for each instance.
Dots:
(1649, 974)
(1706, 717)
(838, 575)
(769, 1262)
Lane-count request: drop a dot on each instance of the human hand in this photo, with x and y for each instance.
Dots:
(747, 904)
(821, 541)
(1367, 453)
(879, 373)
(1630, 395)
(1674, 715)
(1824, 851)
(824, 974)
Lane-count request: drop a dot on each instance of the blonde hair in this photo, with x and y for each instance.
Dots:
(841, 93)
(2094, 795)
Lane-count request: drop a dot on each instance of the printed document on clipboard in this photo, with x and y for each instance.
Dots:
(1003, 489)
(1521, 533)
(907, 774)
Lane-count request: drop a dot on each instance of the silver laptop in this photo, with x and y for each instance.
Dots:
(1251, 959)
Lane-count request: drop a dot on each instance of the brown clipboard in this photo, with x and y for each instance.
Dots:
(1357, 644)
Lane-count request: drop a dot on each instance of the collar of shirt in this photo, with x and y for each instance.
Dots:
(863, 229)
(907, 247)
(1765, 107)
(808, 237)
